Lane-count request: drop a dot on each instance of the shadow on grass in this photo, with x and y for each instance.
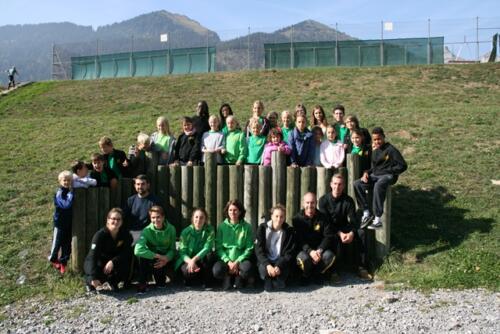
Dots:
(424, 220)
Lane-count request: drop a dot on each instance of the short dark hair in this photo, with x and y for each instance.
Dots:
(274, 132)
(339, 107)
(141, 177)
(96, 156)
(158, 209)
(204, 109)
(202, 210)
(77, 165)
(237, 204)
(378, 131)
(278, 207)
(187, 119)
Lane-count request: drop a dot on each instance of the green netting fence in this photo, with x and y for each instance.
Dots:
(144, 63)
(405, 51)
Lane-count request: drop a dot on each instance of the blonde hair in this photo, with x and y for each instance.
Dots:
(65, 174)
(105, 140)
(214, 117)
(164, 120)
(143, 139)
(254, 121)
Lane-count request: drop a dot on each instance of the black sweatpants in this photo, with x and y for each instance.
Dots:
(379, 185)
(146, 269)
(285, 271)
(308, 267)
(205, 273)
(120, 273)
(221, 269)
(61, 240)
(359, 244)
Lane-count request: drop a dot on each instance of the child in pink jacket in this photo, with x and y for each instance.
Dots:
(274, 143)
(332, 152)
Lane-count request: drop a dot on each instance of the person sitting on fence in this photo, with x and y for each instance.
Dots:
(104, 176)
(314, 238)
(318, 118)
(213, 140)
(234, 247)
(139, 161)
(187, 147)
(332, 151)
(275, 249)
(340, 128)
(137, 207)
(274, 143)
(63, 216)
(109, 257)
(317, 139)
(255, 143)
(301, 144)
(257, 111)
(200, 121)
(196, 243)
(387, 165)
(287, 125)
(12, 72)
(300, 110)
(224, 111)
(155, 250)
(341, 210)
(81, 178)
(116, 160)
(352, 123)
(359, 148)
(162, 142)
(272, 118)
(236, 146)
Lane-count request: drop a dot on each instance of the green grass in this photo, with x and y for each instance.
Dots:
(445, 120)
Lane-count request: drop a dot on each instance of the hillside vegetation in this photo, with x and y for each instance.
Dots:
(445, 120)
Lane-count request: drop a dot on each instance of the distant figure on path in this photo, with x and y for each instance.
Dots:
(12, 72)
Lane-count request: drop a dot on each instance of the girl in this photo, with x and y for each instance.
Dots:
(213, 140)
(274, 143)
(318, 118)
(224, 111)
(236, 148)
(287, 125)
(332, 151)
(301, 144)
(257, 111)
(163, 142)
(362, 150)
(272, 118)
(195, 249)
(274, 248)
(351, 123)
(318, 139)
(300, 109)
(234, 247)
(255, 143)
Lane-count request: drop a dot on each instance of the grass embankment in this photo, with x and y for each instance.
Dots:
(445, 120)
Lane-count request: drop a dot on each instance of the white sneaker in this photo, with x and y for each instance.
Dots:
(376, 225)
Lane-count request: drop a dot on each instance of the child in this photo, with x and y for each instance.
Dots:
(272, 118)
(274, 143)
(317, 139)
(351, 123)
(104, 176)
(318, 118)
(187, 148)
(81, 177)
(224, 111)
(300, 109)
(236, 148)
(163, 142)
(301, 144)
(139, 162)
(274, 248)
(257, 110)
(213, 140)
(332, 151)
(116, 160)
(255, 143)
(63, 202)
(340, 128)
(362, 150)
(287, 125)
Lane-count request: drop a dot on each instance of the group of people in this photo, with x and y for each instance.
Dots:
(139, 242)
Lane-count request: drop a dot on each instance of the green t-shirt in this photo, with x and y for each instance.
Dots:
(341, 131)
(255, 148)
(163, 142)
(286, 133)
(356, 150)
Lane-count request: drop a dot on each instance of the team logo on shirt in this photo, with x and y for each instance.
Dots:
(119, 243)
(93, 246)
(317, 227)
(386, 157)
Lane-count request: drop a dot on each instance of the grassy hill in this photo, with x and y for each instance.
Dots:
(445, 120)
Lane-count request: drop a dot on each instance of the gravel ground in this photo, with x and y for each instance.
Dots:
(352, 307)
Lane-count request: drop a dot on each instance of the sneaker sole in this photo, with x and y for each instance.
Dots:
(375, 227)
(367, 222)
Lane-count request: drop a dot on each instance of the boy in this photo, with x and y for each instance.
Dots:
(104, 176)
(236, 148)
(255, 143)
(213, 141)
(340, 128)
(116, 160)
(387, 165)
(81, 178)
(63, 202)
(287, 125)
(187, 147)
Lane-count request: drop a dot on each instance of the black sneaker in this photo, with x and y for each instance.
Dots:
(141, 288)
(238, 282)
(268, 284)
(366, 220)
(226, 283)
(279, 284)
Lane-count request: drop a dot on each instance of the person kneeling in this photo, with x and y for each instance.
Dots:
(274, 248)
(155, 250)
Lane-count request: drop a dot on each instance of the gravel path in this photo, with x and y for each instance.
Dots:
(353, 307)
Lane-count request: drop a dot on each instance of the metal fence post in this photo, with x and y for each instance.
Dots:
(130, 58)
(248, 49)
(336, 44)
(477, 39)
(382, 43)
(428, 41)
(291, 50)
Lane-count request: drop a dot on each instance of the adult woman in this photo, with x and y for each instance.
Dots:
(196, 245)
(224, 111)
(110, 254)
(234, 246)
(200, 121)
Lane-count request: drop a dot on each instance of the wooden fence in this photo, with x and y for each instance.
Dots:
(182, 188)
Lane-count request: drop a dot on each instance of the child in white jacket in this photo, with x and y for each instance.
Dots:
(332, 152)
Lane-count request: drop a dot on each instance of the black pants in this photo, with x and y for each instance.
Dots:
(221, 269)
(120, 272)
(379, 185)
(359, 245)
(146, 269)
(205, 273)
(12, 81)
(61, 240)
(285, 271)
(308, 267)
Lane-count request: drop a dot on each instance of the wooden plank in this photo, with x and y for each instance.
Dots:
(78, 248)
(222, 191)
(186, 194)
(175, 196)
(353, 173)
(265, 192)
(322, 181)
(383, 235)
(292, 193)
(115, 196)
(198, 187)
(343, 171)
(104, 206)
(278, 164)
(151, 163)
(307, 180)
(236, 182)
(211, 195)
(251, 199)
(127, 190)
(92, 215)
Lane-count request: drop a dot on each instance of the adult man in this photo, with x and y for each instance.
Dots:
(12, 72)
(314, 235)
(387, 165)
(340, 208)
(138, 205)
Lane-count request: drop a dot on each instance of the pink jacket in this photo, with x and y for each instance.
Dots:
(270, 148)
(331, 154)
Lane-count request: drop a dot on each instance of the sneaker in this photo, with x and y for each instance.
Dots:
(89, 289)
(62, 268)
(366, 220)
(226, 284)
(251, 282)
(238, 282)
(279, 284)
(268, 284)
(105, 287)
(364, 275)
(335, 278)
(141, 288)
(376, 225)
(55, 264)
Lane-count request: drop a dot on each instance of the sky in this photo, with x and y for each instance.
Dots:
(360, 18)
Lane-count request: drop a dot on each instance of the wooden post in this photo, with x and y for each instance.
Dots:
(250, 198)
(104, 206)
(265, 192)
(162, 183)
(78, 248)
(353, 173)
(323, 181)
(127, 190)
(92, 215)
(236, 182)
(343, 171)
(278, 164)
(198, 187)
(307, 180)
(186, 194)
(115, 196)
(383, 235)
(292, 193)
(222, 191)
(211, 194)
(175, 196)
(151, 162)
